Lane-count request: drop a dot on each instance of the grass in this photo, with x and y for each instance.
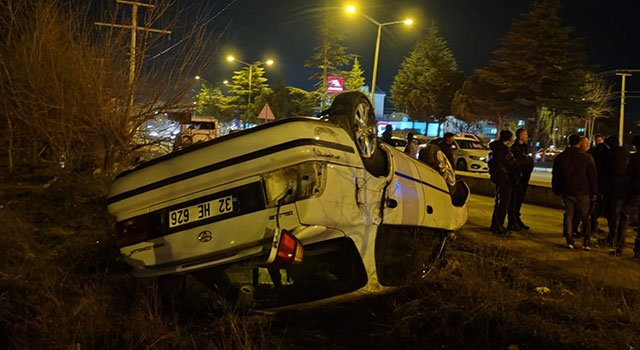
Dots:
(62, 286)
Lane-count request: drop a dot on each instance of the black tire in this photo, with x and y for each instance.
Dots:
(461, 165)
(354, 113)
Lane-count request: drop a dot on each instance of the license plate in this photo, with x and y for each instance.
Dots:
(202, 211)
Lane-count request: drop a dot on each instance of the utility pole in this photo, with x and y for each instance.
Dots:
(132, 49)
(622, 91)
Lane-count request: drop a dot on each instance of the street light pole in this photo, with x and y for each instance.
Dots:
(250, 65)
(377, 51)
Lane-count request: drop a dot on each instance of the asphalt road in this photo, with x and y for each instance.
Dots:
(544, 242)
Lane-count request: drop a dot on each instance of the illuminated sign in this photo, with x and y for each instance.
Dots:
(335, 85)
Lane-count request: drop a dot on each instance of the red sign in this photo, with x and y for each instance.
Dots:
(335, 85)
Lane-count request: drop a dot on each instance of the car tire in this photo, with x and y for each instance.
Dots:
(354, 113)
(461, 165)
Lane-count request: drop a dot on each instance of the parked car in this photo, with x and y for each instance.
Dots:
(469, 154)
(548, 154)
(398, 143)
(295, 212)
(469, 135)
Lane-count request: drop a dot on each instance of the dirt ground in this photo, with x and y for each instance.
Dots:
(544, 242)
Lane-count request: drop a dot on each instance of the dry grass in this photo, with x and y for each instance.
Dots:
(62, 286)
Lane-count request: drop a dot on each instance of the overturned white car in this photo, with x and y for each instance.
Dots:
(298, 211)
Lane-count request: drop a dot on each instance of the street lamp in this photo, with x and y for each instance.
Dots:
(377, 52)
(250, 65)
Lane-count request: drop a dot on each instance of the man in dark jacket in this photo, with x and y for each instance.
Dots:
(445, 145)
(574, 178)
(599, 153)
(520, 151)
(632, 198)
(613, 173)
(387, 134)
(503, 172)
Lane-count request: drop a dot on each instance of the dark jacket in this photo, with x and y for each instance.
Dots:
(503, 167)
(574, 173)
(599, 154)
(447, 150)
(614, 171)
(633, 175)
(386, 137)
(525, 162)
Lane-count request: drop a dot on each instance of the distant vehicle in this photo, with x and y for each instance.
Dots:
(295, 212)
(398, 143)
(469, 154)
(198, 129)
(548, 154)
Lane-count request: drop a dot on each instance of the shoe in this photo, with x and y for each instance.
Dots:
(524, 227)
(499, 230)
(586, 248)
(570, 246)
(515, 228)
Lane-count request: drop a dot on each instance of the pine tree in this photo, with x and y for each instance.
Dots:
(539, 64)
(211, 101)
(354, 79)
(428, 79)
(329, 57)
(477, 101)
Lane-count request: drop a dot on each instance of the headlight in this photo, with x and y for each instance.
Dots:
(478, 158)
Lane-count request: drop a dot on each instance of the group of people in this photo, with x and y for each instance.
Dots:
(510, 169)
(612, 189)
(603, 180)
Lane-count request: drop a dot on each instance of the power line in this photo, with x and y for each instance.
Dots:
(134, 29)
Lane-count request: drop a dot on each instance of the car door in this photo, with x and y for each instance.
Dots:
(404, 198)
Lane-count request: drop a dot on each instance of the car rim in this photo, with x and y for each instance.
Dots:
(445, 168)
(365, 134)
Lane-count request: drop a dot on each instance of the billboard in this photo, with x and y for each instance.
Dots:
(335, 84)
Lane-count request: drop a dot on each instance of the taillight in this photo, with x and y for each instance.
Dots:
(132, 231)
(290, 249)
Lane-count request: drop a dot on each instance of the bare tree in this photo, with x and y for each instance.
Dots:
(65, 81)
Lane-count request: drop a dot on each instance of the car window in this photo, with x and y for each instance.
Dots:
(470, 144)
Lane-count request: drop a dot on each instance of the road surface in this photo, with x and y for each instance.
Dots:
(544, 242)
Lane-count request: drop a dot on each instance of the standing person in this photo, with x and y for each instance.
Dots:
(386, 134)
(520, 151)
(446, 145)
(598, 152)
(574, 178)
(412, 145)
(632, 198)
(614, 171)
(503, 173)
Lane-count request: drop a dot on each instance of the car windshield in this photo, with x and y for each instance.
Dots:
(471, 144)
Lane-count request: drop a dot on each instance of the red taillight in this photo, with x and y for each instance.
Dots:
(132, 231)
(290, 249)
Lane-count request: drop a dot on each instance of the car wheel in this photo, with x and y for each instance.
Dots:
(354, 113)
(445, 168)
(461, 165)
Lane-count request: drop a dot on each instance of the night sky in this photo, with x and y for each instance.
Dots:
(286, 31)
